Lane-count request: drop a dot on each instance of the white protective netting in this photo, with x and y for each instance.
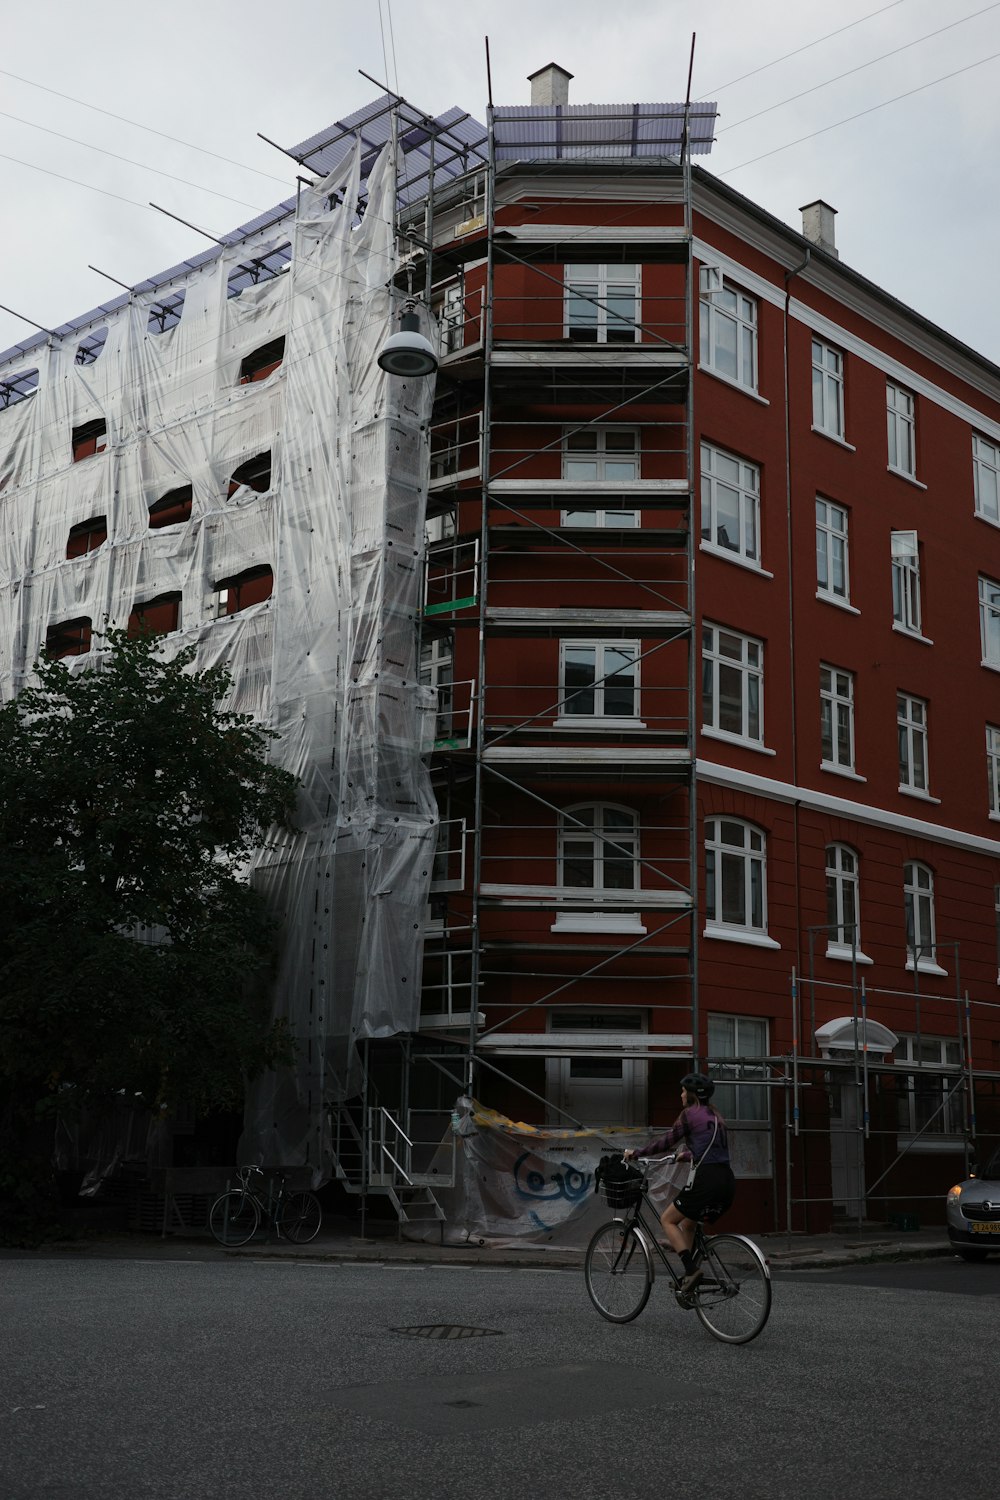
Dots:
(330, 659)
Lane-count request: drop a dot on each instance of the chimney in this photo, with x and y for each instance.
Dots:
(550, 85)
(817, 225)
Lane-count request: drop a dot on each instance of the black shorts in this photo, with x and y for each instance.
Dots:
(710, 1194)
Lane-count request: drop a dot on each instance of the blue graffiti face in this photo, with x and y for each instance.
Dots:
(565, 1181)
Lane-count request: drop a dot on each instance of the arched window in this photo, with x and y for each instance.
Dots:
(735, 875)
(918, 901)
(599, 848)
(842, 929)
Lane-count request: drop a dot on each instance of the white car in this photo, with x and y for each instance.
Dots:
(973, 1212)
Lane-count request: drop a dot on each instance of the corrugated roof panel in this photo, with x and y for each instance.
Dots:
(545, 132)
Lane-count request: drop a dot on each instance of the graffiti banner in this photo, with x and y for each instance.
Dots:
(518, 1184)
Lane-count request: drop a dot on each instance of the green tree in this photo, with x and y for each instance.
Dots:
(133, 951)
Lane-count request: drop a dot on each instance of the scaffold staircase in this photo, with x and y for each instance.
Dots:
(379, 1161)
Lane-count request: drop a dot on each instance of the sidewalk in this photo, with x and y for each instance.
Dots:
(340, 1240)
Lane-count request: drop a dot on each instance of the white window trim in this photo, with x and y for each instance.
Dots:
(844, 600)
(598, 307)
(843, 952)
(735, 739)
(993, 465)
(746, 330)
(836, 600)
(734, 557)
(901, 420)
(913, 635)
(746, 672)
(914, 731)
(834, 698)
(717, 926)
(607, 721)
(744, 935)
(830, 379)
(832, 437)
(841, 771)
(987, 611)
(993, 769)
(734, 385)
(597, 921)
(747, 489)
(600, 841)
(906, 568)
(926, 966)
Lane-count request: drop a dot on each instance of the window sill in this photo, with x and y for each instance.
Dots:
(734, 557)
(840, 603)
(912, 791)
(843, 954)
(991, 666)
(910, 478)
(990, 521)
(926, 966)
(591, 722)
(736, 739)
(825, 765)
(597, 921)
(919, 1143)
(833, 438)
(734, 385)
(740, 935)
(913, 635)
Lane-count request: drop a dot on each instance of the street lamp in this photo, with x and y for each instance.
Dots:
(408, 352)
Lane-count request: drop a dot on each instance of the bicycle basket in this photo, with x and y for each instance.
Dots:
(621, 1183)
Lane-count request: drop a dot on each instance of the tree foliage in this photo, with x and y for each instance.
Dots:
(133, 951)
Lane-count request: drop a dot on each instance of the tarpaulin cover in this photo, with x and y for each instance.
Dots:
(522, 1185)
(330, 659)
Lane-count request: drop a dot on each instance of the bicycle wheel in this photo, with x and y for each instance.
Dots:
(234, 1218)
(733, 1298)
(618, 1272)
(301, 1217)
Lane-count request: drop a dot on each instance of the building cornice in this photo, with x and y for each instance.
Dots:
(715, 774)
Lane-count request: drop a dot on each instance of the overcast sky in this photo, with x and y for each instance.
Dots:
(914, 181)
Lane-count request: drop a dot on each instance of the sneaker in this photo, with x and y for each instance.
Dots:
(690, 1281)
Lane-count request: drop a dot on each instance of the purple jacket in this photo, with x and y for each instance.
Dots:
(692, 1130)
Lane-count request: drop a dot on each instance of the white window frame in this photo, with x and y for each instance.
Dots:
(605, 280)
(905, 554)
(939, 1075)
(993, 767)
(437, 672)
(599, 839)
(986, 478)
(989, 621)
(745, 661)
(735, 875)
(901, 429)
(741, 1092)
(918, 911)
(843, 902)
(603, 459)
(836, 694)
(832, 549)
(742, 484)
(828, 389)
(911, 729)
(599, 717)
(729, 313)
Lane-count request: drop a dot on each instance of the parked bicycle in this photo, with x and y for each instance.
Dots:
(236, 1215)
(733, 1297)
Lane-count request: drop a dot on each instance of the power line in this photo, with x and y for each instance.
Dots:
(74, 180)
(860, 67)
(392, 44)
(861, 112)
(145, 166)
(714, 93)
(123, 119)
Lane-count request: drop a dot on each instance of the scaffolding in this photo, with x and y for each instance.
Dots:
(559, 536)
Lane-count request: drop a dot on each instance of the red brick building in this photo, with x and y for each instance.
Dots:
(713, 611)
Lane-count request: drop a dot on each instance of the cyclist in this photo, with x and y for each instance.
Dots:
(701, 1131)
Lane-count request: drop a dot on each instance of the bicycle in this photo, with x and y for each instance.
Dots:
(733, 1298)
(235, 1216)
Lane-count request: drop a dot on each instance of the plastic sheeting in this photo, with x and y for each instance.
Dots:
(330, 659)
(520, 1185)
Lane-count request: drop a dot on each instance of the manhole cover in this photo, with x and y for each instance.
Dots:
(449, 1331)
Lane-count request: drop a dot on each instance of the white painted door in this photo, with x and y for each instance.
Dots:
(845, 1144)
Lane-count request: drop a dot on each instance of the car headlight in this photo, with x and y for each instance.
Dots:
(955, 1192)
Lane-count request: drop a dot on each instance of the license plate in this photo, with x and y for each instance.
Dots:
(991, 1227)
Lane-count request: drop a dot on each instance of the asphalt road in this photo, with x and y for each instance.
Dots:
(196, 1379)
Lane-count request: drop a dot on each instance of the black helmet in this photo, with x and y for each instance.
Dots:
(698, 1084)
